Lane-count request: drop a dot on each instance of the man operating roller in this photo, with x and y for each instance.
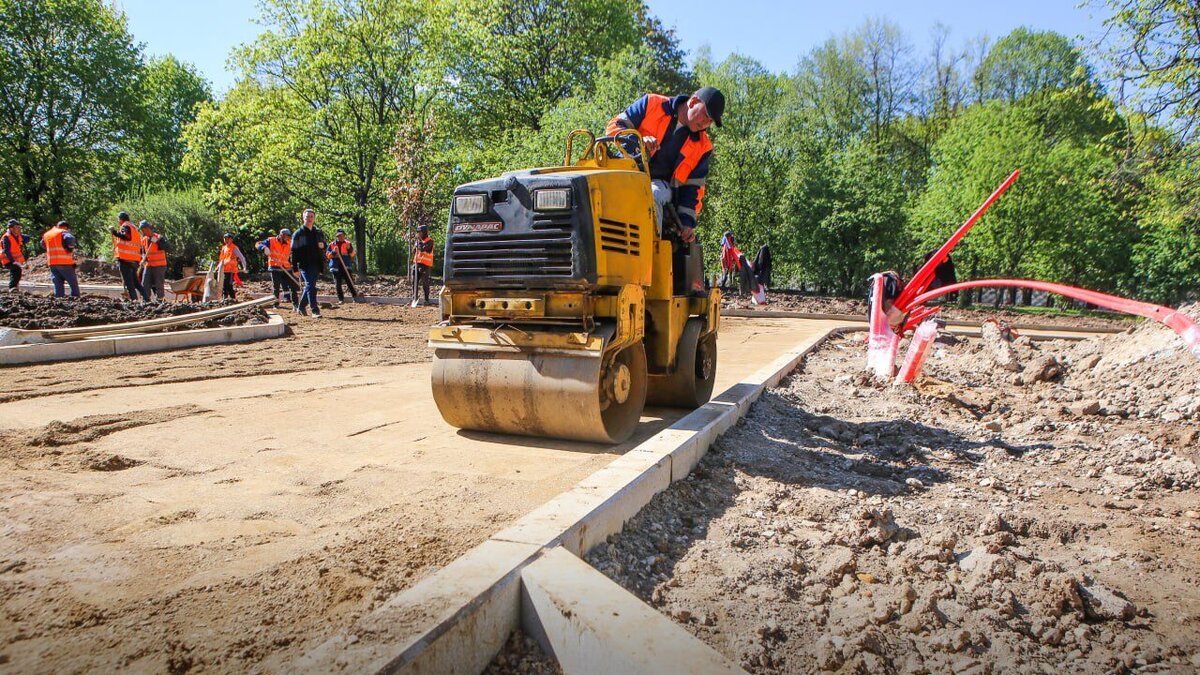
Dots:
(674, 130)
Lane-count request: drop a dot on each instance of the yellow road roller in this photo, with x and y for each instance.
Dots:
(567, 308)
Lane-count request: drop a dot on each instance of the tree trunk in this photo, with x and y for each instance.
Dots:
(360, 241)
(1027, 296)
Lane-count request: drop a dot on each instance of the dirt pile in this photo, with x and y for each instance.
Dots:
(990, 519)
(795, 301)
(25, 311)
(89, 270)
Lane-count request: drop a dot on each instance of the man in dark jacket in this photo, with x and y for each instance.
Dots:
(12, 253)
(308, 255)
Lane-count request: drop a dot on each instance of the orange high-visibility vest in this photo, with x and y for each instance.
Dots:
(14, 245)
(279, 252)
(228, 259)
(655, 123)
(155, 256)
(424, 257)
(130, 250)
(56, 253)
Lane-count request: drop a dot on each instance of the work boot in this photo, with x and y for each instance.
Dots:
(302, 311)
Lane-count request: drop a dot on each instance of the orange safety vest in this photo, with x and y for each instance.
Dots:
(655, 123)
(14, 245)
(56, 254)
(155, 256)
(424, 257)
(228, 260)
(279, 252)
(336, 247)
(130, 250)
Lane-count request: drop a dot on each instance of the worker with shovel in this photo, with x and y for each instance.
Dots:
(278, 250)
(154, 260)
(340, 252)
(127, 246)
(422, 262)
(231, 260)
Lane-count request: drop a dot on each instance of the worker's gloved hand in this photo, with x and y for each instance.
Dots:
(687, 234)
(651, 144)
(114, 231)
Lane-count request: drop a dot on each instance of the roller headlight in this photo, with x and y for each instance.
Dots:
(551, 200)
(470, 205)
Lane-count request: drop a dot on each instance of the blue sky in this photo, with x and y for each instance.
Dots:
(776, 33)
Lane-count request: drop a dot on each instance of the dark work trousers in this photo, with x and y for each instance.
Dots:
(154, 280)
(129, 275)
(283, 286)
(308, 295)
(64, 275)
(14, 275)
(728, 277)
(422, 273)
(340, 276)
(227, 290)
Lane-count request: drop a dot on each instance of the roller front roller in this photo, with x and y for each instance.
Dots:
(569, 396)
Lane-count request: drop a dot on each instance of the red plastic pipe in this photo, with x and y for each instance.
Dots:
(921, 279)
(1180, 323)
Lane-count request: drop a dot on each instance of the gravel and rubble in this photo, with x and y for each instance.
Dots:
(32, 312)
(1036, 516)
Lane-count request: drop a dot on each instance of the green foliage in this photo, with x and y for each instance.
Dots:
(1026, 62)
(171, 93)
(514, 59)
(69, 72)
(185, 219)
(1064, 220)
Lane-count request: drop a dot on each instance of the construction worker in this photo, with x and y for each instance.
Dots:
(60, 256)
(422, 262)
(729, 260)
(127, 244)
(339, 254)
(674, 130)
(278, 250)
(155, 248)
(231, 260)
(11, 254)
(308, 253)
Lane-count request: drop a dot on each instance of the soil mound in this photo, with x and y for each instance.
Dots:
(31, 312)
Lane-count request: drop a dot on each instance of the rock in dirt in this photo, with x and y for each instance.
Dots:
(1103, 604)
(1045, 369)
(997, 342)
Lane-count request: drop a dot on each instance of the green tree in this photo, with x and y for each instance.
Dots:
(171, 93)
(323, 90)
(69, 76)
(750, 161)
(1154, 48)
(1025, 62)
(1065, 219)
(512, 60)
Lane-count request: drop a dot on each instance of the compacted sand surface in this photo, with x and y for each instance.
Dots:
(227, 508)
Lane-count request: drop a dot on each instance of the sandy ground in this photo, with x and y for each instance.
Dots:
(1026, 508)
(227, 508)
